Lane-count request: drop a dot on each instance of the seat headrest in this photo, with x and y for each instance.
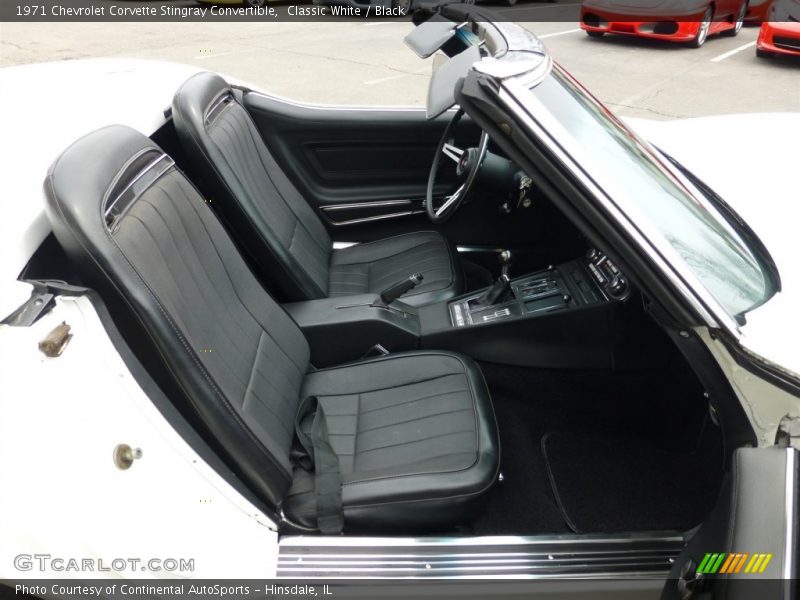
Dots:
(89, 170)
(200, 96)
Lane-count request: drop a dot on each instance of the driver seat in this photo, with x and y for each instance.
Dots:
(284, 240)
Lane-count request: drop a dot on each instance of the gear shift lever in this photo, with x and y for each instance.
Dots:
(506, 259)
(499, 288)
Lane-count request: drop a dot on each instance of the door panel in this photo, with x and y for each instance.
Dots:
(337, 155)
(365, 171)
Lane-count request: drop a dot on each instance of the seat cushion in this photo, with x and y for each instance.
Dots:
(416, 438)
(374, 266)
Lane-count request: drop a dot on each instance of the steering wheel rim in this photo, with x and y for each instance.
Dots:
(446, 148)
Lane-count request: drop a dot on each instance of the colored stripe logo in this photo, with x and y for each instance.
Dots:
(732, 563)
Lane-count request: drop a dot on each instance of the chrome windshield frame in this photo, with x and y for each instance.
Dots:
(519, 99)
(515, 90)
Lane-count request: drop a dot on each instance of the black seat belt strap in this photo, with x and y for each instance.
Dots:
(316, 454)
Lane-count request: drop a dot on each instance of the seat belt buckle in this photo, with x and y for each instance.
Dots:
(376, 350)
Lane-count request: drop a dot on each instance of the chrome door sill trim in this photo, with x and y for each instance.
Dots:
(639, 556)
(490, 540)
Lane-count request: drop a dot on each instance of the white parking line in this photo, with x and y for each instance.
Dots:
(398, 76)
(231, 53)
(557, 33)
(722, 57)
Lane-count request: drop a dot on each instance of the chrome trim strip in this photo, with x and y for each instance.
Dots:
(491, 540)
(469, 249)
(332, 208)
(343, 245)
(790, 492)
(405, 213)
(377, 203)
(648, 555)
(145, 171)
(213, 110)
(467, 557)
(394, 563)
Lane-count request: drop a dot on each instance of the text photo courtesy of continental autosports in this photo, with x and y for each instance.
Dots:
(399, 298)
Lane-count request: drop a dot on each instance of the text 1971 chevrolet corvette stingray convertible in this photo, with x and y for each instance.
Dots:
(263, 338)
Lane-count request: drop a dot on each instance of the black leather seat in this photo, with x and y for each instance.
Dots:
(285, 241)
(414, 433)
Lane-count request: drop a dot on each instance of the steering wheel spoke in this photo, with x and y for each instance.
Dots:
(450, 200)
(452, 152)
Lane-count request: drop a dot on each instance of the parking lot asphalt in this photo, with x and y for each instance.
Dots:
(366, 62)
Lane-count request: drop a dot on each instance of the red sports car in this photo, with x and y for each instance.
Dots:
(689, 21)
(757, 11)
(780, 33)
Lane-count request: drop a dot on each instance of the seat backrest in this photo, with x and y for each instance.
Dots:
(127, 217)
(283, 238)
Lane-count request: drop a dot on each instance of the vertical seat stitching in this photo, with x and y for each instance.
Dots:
(253, 370)
(192, 355)
(236, 292)
(281, 396)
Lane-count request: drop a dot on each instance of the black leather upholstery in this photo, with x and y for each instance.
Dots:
(416, 438)
(374, 266)
(125, 215)
(284, 239)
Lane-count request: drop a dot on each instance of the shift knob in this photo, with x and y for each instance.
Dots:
(505, 262)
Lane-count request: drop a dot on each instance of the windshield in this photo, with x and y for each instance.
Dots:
(650, 194)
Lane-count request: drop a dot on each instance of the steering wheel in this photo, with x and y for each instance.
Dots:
(467, 163)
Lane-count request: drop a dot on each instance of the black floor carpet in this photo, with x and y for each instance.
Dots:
(647, 433)
(607, 485)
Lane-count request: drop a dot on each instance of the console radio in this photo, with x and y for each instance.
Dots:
(606, 275)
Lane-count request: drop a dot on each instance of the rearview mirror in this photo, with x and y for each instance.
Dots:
(429, 36)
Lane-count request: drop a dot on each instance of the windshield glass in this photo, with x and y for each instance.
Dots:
(639, 183)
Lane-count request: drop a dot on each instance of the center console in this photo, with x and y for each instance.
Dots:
(527, 295)
(561, 316)
(586, 281)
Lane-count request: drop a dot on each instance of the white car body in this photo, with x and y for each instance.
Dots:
(749, 161)
(61, 418)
